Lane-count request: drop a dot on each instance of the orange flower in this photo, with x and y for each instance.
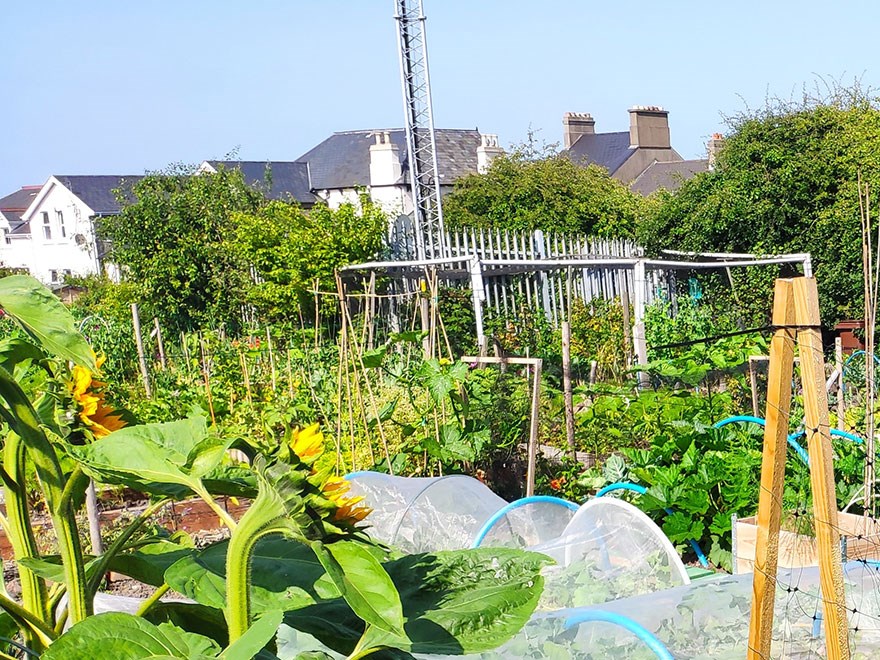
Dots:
(99, 417)
(348, 509)
(556, 484)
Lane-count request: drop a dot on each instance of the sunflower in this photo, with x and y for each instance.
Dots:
(94, 412)
(307, 443)
(348, 509)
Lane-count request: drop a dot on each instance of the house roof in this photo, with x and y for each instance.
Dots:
(285, 179)
(668, 176)
(609, 150)
(343, 159)
(97, 191)
(13, 206)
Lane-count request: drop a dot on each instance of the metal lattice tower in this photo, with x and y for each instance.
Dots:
(421, 144)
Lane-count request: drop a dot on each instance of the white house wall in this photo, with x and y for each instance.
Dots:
(70, 248)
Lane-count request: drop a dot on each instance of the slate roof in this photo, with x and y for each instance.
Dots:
(14, 205)
(668, 176)
(97, 190)
(287, 179)
(343, 159)
(609, 150)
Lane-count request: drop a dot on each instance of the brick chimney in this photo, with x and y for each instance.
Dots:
(649, 127)
(713, 147)
(487, 151)
(384, 161)
(575, 124)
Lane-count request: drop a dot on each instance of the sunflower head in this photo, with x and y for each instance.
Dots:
(96, 415)
(348, 510)
(307, 443)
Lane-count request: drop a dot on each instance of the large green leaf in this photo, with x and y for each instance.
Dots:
(454, 602)
(127, 637)
(167, 459)
(149, 562)
(45, 318)
(285, 575)
(363, 583)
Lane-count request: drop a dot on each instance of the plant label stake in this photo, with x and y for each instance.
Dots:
(796, 315)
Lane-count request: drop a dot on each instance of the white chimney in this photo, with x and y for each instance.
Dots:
(384, 161)
(487, 151)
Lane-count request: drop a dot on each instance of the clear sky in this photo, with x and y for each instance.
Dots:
(120, 87)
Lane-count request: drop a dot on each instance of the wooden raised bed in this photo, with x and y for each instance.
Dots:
(860, 539)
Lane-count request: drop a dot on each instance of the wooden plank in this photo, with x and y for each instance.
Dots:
(772, 472)
(531, 470)
(806, 302)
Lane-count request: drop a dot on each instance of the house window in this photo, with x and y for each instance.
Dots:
(59, 216)
(47, 228)
(53, 276)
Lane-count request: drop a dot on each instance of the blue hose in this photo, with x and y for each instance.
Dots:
(503, 511)
(641, 490)
(793, 437)
(641, 633)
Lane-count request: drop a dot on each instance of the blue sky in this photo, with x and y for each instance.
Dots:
(101, 87)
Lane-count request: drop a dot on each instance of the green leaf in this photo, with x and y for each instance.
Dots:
(257, 636)
(191, 617)
(127, 637)
(454, 602)
(285, 575)
(167, 459)
(363, 583)
(149, 562)
(374, 358)
(15, 351)
(45, 318)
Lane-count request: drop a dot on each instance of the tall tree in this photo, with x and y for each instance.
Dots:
(785, 181)
(172, 242)
(290, 248)
(549, 192)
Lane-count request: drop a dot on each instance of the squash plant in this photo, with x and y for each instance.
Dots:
(299, 555)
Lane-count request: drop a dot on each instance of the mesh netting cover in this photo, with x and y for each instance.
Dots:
(704, 620)
(609, 550)
(527, 523)
(424, 514)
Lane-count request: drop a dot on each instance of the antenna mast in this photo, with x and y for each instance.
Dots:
(430, 237)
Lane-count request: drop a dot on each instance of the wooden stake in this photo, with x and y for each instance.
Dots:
(245, 374)
(772, 472)
(271, 358)
(806, 300)
(139, 341)
(533, 430)
(161, 344)
(566, 389)
(753, 382)
(207, 375)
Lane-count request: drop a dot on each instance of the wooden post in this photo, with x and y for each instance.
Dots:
(533, 430)
(271, 358)
(838, 364)
(753, 382)
(94, 520)
(139, 341)
(772, 472)
(566, 388)
(161, 344)
(638, 331)
(806, 300)
(627, 322)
